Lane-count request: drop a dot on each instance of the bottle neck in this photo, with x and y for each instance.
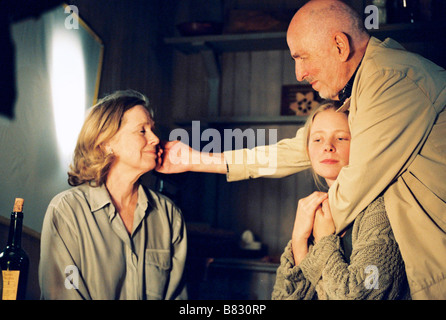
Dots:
(15, 229)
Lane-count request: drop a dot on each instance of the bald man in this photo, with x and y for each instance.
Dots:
(396, 101)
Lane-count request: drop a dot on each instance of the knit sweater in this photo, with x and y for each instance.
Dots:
(375, 271)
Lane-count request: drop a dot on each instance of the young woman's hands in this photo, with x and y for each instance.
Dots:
(307, 209)
(323, 222)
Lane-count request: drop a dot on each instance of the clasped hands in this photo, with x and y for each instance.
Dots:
(313, 217)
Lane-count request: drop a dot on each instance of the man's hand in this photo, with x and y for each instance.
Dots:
(178, 157)
(175, 157)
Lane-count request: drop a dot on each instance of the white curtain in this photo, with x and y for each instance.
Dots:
(58, 63)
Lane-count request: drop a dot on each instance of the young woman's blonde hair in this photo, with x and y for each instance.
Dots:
(326, 105)
(91, 160)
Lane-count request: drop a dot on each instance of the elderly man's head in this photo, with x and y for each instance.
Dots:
(327, 40)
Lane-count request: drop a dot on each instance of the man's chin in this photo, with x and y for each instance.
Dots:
(327, 95)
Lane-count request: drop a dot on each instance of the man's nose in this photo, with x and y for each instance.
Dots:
(301, 73)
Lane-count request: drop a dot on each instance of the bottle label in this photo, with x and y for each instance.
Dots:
(10, 284)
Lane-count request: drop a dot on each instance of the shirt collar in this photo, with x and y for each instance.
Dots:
(143, 200)
(99, 198)
(346, 92)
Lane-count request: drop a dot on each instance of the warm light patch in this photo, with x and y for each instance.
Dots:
(68, 90)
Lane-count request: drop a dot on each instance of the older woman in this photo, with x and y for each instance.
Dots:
(109, 237)
(363, 263)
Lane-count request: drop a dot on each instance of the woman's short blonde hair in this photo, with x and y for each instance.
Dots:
(91, 161)
(326, 105)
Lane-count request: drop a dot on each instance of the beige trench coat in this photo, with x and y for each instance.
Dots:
(398, 126)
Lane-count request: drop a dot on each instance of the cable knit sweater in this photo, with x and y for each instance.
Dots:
(375, 271)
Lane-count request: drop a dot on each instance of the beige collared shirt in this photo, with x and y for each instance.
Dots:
(87, 253)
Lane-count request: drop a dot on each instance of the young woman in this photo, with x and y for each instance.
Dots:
(365, 261)
(109, 237)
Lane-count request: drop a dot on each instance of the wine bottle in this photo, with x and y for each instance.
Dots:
(14, 261)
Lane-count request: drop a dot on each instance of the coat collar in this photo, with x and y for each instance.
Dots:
(346, 92)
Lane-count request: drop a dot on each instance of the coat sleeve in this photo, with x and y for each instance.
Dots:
(290, 283)
(393, 117)
(277, 160)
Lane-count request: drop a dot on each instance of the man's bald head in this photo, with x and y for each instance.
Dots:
(322, 18)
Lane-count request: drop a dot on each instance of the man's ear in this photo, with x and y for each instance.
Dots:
(342, 45)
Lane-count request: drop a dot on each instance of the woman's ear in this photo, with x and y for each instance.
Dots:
(342, 45)
(108, 149)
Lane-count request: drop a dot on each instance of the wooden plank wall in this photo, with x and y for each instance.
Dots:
(251, 81)
(134, 57)
(251, 85)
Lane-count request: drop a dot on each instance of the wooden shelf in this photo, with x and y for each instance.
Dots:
(410, 32)
(212, 46)
(230, 42)
(245, 120)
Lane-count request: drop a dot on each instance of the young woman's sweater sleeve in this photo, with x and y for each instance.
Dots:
(376, 269)
(290, 283)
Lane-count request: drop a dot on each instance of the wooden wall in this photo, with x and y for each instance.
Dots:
(134, 55)
(251, 84)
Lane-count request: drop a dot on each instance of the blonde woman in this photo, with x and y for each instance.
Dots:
(109, 237)
(365, 261)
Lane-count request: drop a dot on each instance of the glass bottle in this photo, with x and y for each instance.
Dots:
(14, 261)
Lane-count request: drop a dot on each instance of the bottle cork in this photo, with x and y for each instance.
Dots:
(18, 205)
